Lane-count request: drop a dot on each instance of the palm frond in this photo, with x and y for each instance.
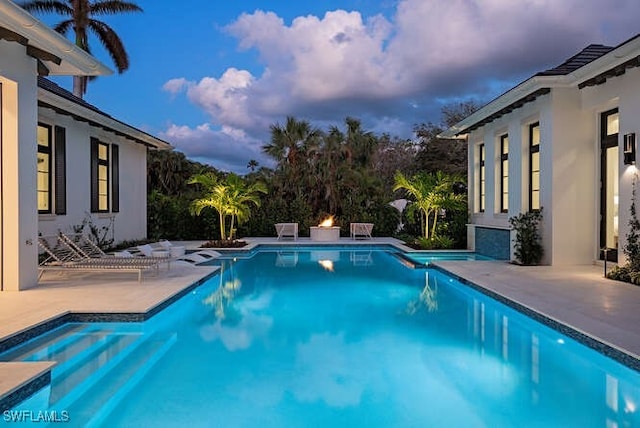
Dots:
(112, 43)
(63, 27)
(47, 6)
(113, 7)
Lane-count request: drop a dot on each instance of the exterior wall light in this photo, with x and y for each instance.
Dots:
(629, 148)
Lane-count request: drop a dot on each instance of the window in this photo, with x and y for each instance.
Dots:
(609, 183)
(534, 167)
(99, 176)
(104, 177)
(481, 178)
(52, 180)
(504, 173)
(44, 169)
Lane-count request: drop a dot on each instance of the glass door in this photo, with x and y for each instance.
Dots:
(609, 179)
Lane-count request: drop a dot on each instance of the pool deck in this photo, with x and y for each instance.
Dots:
(576, 296)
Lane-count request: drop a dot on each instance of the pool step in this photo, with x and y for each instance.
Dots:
(102, 399)
(41, 347)
(82, 371)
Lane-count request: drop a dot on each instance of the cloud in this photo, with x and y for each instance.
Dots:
(394, 70)
(175, 86)
(229, 149)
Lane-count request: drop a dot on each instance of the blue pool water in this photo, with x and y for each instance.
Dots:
(433, 256)
(330, 338)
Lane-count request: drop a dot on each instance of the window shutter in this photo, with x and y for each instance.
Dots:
(60, 168)
(94, 175)
(115, 179)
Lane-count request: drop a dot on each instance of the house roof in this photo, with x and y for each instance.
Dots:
(54, 53)
(54, 97)
(591, 66)
(582, 58)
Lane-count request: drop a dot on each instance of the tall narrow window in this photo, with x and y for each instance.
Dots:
(44, 169)
(99, 176)
(481, 178)
(504, 173)
(609, 177)
(534, 167)
(103, 177)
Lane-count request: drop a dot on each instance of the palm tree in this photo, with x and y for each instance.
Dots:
(81, 20)
(443, 196)
(252, 165)
(289, 142)
(432, 193)
(419, 187)
(241, 194)
(216, 198)
(229, 197)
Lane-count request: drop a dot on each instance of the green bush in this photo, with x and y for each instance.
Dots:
(434, 243)
(620, 273)
(630, 272)
(528, 242)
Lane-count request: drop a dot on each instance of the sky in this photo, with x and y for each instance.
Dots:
(211, 76)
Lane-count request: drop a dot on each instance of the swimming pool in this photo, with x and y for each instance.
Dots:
(330, 337)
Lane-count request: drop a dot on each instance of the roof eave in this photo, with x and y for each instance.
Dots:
(100, 120)
(625, 52)
(528, 87)
(74, 61)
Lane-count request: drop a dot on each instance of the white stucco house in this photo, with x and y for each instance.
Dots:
(563, 140)
(60, 157)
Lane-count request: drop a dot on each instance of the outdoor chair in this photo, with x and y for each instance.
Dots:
(175, 251)
(208, 254)
(87, 249)
(162, 256)
(285, 230)
(193, 258)
(60, 256)
(361, 230)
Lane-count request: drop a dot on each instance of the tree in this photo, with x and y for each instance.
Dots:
(230, 197)
(242, 194)
(289, 142)
(436, 154)
(81, 20)
(252, 165)
(431, 193)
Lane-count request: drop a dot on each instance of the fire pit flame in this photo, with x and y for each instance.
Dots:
(328, 222)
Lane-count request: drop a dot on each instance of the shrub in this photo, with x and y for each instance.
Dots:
(528, 242)
(632, 247)
(438, 242)
(630, 272)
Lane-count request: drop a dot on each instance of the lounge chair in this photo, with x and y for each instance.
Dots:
(61, 257)
(193, 258)
(162, 256)
(84, 248)
(361, 230)
(208, 254)
(287, 230)
(87, 249)
(175, 251)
